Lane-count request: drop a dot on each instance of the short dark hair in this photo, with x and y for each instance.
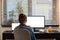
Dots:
(22, 18)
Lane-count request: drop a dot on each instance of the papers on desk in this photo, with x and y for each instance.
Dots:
(54, 31)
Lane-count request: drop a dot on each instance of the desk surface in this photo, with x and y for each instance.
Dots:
(10, 34)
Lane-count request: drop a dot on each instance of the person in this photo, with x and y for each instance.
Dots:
(22, 21)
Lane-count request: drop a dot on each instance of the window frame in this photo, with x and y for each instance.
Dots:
(30, 12)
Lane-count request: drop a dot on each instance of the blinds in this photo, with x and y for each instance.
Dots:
(43, 8)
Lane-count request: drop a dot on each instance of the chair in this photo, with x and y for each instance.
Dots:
(22, 34)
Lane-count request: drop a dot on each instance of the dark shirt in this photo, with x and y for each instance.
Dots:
(28, 28)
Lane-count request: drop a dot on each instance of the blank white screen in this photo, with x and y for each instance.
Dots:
(35, 22)
(14, 25)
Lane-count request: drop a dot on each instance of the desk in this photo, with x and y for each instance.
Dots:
(10, 35)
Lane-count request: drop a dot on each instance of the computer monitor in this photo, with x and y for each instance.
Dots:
(34, 22)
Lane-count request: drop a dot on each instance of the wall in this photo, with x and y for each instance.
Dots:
(9, 28)
(59, 14)
(2, 28)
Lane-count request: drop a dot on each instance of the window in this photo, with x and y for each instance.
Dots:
(12, 8)
(47, 8)
(43, 8)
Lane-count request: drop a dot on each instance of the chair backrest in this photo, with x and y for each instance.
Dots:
(22, 34)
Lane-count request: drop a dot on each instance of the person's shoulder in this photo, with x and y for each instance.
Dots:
(28, 27)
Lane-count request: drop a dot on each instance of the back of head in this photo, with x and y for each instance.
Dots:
(22, 18)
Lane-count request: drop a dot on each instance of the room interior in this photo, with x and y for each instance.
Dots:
(2, 29)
